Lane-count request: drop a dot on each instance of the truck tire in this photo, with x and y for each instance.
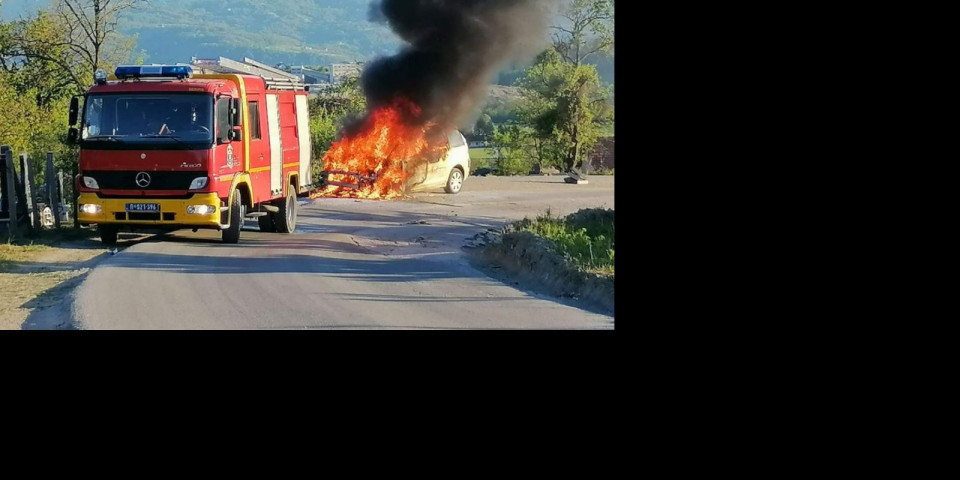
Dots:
(232, 233)
(108, 234)
(286, 218)
(267, 223)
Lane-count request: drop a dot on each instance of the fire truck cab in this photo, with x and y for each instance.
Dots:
(162, 148)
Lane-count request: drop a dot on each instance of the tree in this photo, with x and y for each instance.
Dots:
(512, 149)
(74, 39)
(585, 29)
(46, 60)
(34, 93)
(564, 105)
(92, 30)
(484, 128)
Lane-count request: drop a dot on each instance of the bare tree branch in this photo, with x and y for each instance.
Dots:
(586, 30)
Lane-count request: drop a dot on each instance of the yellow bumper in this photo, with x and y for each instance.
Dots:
(172, 212)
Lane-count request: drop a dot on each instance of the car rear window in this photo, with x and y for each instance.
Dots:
(455, 139)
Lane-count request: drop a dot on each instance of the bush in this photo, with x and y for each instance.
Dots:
(585, 238)
(481, 164)
(513, 165)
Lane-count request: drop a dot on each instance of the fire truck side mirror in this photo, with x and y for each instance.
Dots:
(74, 110)
(72, 135)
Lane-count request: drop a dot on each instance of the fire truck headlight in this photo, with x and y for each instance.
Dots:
(91, 182)
(201, 209)
(91, 209)
(198, 183)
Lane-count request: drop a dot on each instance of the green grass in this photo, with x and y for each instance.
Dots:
(481, 153)
(481, 159)
(585, 238)
(27, 247)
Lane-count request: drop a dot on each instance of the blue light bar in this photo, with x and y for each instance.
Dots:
(153, 71)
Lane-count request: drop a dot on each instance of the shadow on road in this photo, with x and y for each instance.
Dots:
(379, 270)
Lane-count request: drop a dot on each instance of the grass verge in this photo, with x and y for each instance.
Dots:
(568, 257)
(33, 268)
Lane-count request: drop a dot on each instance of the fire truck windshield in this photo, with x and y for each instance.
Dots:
(135, 120)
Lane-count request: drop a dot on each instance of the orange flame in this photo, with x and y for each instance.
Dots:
(373, 163)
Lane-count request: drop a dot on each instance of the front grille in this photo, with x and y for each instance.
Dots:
(185, 196)
(116, 180)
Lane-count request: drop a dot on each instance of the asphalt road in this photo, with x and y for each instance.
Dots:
(351, 264)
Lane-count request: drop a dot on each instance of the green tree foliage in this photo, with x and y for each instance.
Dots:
(565, 105)
(502, 112)
(44, 61)
(511, 147)
(483, 129)
(34, 91)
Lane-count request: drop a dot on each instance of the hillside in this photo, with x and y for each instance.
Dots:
(274, 31)
(308, 32)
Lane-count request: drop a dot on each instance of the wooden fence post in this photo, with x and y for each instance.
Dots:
(63, 193)
(52, 193)
(76, 196)
(10, 191)
(29, 192)
(3, 178)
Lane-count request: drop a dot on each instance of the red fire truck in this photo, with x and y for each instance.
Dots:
(164, 148)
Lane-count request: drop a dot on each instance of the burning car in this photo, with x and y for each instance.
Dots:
(391, 159)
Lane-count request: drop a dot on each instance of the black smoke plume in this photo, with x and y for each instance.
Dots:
(453, 49)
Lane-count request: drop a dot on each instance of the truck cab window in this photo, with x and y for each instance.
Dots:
(92, 122)
(254, 110)
(223, 120)
(127, 120)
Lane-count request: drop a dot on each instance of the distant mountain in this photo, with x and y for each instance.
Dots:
(294, 32)
(271, 31)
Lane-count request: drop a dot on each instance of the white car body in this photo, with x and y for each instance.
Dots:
(447, 172)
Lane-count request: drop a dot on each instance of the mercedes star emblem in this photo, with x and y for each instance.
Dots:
(143, 179)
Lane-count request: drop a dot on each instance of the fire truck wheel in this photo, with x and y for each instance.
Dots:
(454, 182)
(266, 223)
(108, 234)
(286, 218)
(232, 233)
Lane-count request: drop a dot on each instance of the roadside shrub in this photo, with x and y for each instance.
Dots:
(597, 221)
(480, 164)
(585, 238)
(513, 165)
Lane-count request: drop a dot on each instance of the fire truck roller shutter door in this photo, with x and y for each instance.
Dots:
(303, 130)
(276, 152)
